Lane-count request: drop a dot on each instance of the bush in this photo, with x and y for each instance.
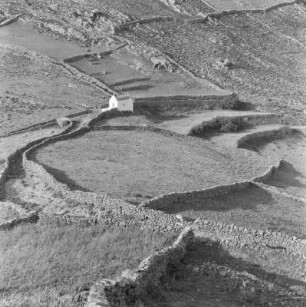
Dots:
(218, 124)
(233, 103)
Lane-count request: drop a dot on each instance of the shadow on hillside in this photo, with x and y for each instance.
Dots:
(157, 116)
(247, 199)
(210, 275)
(286, 176)
(63, 178)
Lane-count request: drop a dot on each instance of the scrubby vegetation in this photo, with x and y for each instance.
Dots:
(234, 103)
(218, 124)
(49, 265)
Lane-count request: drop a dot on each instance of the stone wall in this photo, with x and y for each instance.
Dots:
(17, 157)
(269, 172)
(152, 273)
(31, 217)
(126, 25)
(163, 201)
(3, 175)
(221, 14)
(43, 125)
(88, 79)
(264, 136)
(241, 236)
(204, 101)
(146, 215)
(104, 209)
(10, 20)
(85, 56)
(278, 191)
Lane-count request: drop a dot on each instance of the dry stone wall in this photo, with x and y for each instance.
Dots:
(126, 25)
(152, 272)
(17, 156)
(10, 20)
(247, 140)
(111, 211)
(279, 191)
(31, 217)
(241, 12)
(43, 125)
(163, 201)
(269, 172)
(88, 79)
(246, 237)
(204, 101)
(107, 211)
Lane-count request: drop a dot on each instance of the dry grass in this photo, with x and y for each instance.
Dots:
(46, 265)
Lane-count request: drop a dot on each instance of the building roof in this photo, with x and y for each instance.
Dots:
(121, 98)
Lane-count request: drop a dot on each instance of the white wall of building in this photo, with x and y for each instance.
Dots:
(123, 104)
(126, 105)
(113, 102)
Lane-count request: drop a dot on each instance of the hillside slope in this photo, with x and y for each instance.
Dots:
(266, 52)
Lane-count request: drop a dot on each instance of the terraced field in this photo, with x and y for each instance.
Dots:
(159, 164)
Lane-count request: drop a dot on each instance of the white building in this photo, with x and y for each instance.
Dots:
(122, 103)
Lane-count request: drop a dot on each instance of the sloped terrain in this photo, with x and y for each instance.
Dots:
(266, 52)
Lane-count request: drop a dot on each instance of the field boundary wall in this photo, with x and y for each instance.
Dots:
(152, 272)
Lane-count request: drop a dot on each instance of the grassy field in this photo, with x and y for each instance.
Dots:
(145, 164)
(47, 265)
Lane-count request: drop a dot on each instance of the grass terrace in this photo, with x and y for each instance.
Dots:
(143, 164)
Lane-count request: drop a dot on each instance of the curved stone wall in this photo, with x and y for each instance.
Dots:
(143, 214)
(264, 136)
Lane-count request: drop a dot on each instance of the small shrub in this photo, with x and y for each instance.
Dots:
(218, 124)
(233, 103)
(231, 125)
